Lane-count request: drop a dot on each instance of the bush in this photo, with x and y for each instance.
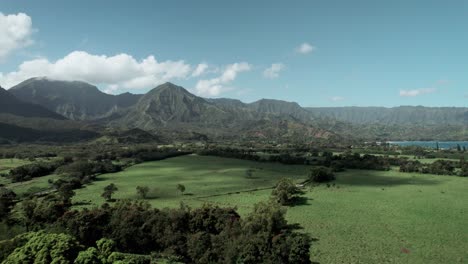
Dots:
(286, 192)
(321, 174)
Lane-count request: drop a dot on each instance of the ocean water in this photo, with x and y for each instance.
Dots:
(432, 144)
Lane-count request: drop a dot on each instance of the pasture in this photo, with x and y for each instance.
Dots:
(364, 217)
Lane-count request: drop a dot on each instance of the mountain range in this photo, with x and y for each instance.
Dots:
(402, 115)
(74, 100)
(9, 104)
(171, 112)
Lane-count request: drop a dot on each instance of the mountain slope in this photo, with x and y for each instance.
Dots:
(278, 107)
(26, 122)
(9, 104)
(73, 99)
(402, 115)
(173, 109)
(10, 133)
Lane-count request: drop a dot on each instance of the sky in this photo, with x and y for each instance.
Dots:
(316, 53)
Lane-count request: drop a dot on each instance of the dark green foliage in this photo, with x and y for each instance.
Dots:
(267, 223)
(89, 256)
(7, 198)
(154, 154)
(208, 234)
(439, 167)
(142, 191)
(83, 168)
(411, 166)
(37, 212)
(17, 130)
(286, 191)
(37, 169)
(464, 170)
(65, 192)
(321, 174)
(109, 190)
(357, 161)
(44, 247)
(8, 246)
(181, 188)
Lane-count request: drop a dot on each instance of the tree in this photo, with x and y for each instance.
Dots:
(266, 217)
(42, 247)
(109, 190)
(321, 174)
(142, 191)
(65, 192)
(267, 222)
(181, 188)
(7, 198)
(286, 192)
(88, 256)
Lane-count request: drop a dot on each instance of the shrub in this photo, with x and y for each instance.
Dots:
(321, 174)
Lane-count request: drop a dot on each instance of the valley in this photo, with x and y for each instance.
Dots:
(171, 151)
(370, 216)
(233, 132)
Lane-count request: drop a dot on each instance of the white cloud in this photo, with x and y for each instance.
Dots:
(201, 69)
(416, 92)
(15, 33)
(273, 71)
(118, 71)
(305, 48)
(216, 86)
(336, 98)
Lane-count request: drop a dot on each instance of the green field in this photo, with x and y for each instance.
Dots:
(38, 184)
(202, 176)
(7, 164)
(367, 217)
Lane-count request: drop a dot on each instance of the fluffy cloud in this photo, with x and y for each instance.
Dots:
(416, 92)
(216, 86)
(273, 71)
(201, 69)
(15, 33)
(305, 48)
(119, 71)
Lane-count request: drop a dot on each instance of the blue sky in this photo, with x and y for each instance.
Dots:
(363, 53)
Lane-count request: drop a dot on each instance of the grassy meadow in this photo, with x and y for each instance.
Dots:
(36, 184)
(365, 217)
(362, 217)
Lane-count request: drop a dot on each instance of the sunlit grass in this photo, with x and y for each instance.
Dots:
(363, 217)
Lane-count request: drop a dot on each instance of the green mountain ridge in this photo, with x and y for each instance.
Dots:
(27, 122)
(75, 100)
(401, 115)
(171, 108)
(11, 105)
(171, 112)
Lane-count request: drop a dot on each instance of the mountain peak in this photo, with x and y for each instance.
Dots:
(76, 100)
(11, 105)
(169, 85)
(169, 88)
